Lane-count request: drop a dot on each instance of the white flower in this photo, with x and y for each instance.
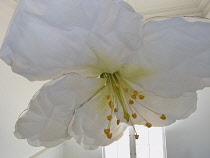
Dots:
(111, 70)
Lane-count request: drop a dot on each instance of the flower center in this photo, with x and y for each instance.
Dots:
(122, 95)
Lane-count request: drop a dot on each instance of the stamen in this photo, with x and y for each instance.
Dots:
(134, 128)
(108, 127)
(120, 96)
(148, 124)
(111, 104)
(109, 135)
(136, 92)
(109, 117)
(133, 96)
(131, 102)
(118, 122)
(140, 114)
(106, 131)
(115, 110)
(163, 117)
(134, 115)
(147, 108)
(108, 97)
(126, 117)
(117, 86)
(121, 93)
(126, 89)
(141, 97)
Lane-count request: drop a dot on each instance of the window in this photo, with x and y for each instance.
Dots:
(151, 144)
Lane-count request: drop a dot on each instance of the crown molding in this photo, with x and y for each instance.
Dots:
(170, 8)
(197, 2)
(203, 3)
(173, 14)
(152, 8)
(206, 8)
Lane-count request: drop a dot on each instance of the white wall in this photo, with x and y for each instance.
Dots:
(73, 150)
(69, 149)
(5, 16)
(208, 16)
(56, 152)
(190, 138)
(15, 93)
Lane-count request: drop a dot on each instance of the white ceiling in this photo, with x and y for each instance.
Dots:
(154, 8)
(10, 3)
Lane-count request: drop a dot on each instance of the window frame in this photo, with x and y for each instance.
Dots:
(132, 144)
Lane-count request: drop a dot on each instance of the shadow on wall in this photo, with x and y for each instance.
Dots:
(190, 138)
(71, 149)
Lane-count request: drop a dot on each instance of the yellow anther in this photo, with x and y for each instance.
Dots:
(110, 104)
(136, 136)
(133, 96)
(136, 92)
(141, 97)
(148, 124)
(131, 102)
(117, 86)
(127, 117)
(109, 117)
(118, 122)
(106, 131)
(108, 97)
(134, 115)
(115, 110)
(126, 89)
(163, 117)
(109, 135)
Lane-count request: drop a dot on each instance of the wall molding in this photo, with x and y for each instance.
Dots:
(171, 8)
(49, 152)
(151, 8)
(206, 9)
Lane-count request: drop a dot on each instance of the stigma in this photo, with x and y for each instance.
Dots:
(122, 96)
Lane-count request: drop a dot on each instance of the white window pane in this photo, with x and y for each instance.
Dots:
(111, 151)
(151, 144)
(156, 136)
(143, 135)
(120, 148)
(123, 146)
(142, 151)
(156, 151)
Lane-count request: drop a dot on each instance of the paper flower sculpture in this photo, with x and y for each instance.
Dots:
(109, 69)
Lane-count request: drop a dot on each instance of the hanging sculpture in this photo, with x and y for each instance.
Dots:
(109, 69)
